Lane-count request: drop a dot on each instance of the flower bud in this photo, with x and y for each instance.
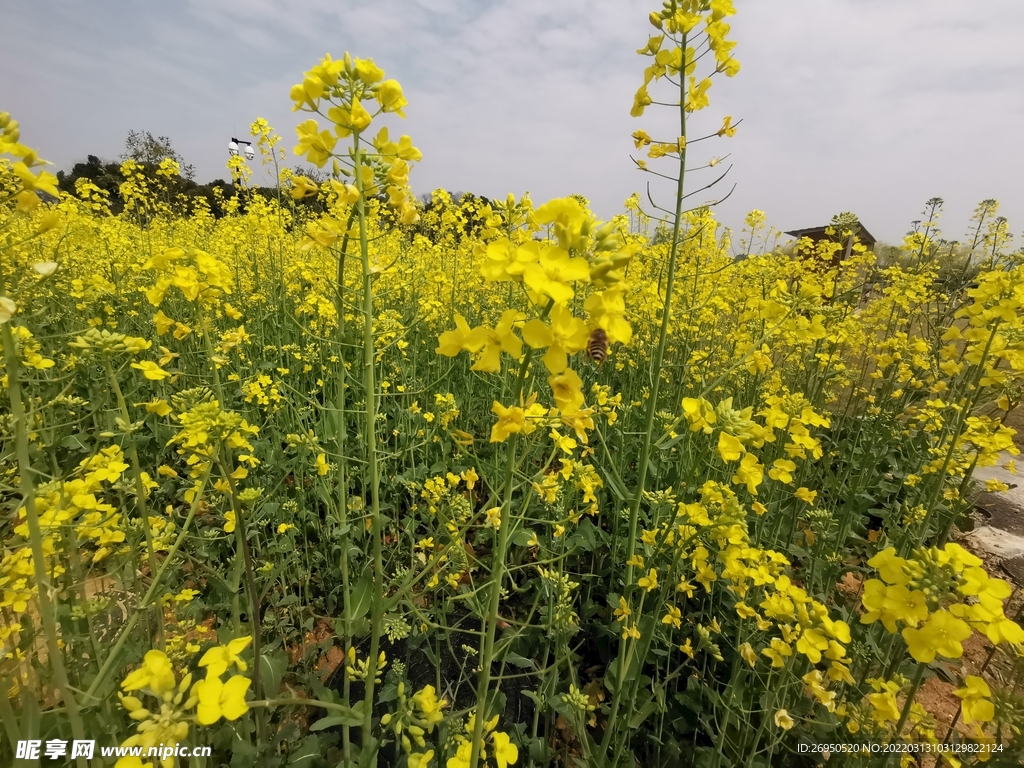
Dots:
(622, 258)
(604, 230)
(131, 703)
(655, 19)
(600, 268)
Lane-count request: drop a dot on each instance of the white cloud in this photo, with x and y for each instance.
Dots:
(864, 105)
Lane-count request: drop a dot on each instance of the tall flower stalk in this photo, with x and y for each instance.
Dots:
(341, 88)
(676, 21)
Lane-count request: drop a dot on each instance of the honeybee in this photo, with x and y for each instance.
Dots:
(597, 346)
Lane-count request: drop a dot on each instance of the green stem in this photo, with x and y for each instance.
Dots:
(918, 677)
(11, 725)
(965, 412)
(140, 488)
(250, 580)
(370, 439)
(498, 567)
(341, 494)
(652, 407)
(35, 533)
(300, 703)
(101, 676)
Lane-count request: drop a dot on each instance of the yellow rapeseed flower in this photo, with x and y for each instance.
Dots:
(505, 752)
(783, 720)
(217, 660)
(315, 144)
(975, 696)
(391, 98)
(650, 581)
(219, 699)
(941, 635)
(553, 274)
(567, 389)
(673, 617)
(564, 335)
(151, 370)
(806, 494)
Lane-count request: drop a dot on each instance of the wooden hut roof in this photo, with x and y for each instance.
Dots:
(818, 233)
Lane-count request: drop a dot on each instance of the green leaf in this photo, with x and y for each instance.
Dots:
(522, 538)
(322, 692)
(677, 439)
(534, 697)
(362, 596)
(585, 536)
(272, 669)
(643, 711)
(540, 750)
(242, 753)
(75, 442)
(519, 661)
(330, 721)
(611, 679)
(306, 754)
(620, 493)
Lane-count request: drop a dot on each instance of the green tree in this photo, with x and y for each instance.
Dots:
(149, 150)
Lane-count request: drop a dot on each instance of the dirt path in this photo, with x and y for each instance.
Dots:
(999, 535)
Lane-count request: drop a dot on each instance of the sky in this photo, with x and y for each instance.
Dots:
(869, 106)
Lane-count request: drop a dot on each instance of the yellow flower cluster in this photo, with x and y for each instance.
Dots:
(346, 86)
(76, 503)
(503, 749)
(415, 717)
(211, 698)
(938, 595)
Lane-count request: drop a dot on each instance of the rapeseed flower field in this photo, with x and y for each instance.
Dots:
(340, 479)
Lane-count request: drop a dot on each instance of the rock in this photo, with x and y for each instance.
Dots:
(997, 542)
